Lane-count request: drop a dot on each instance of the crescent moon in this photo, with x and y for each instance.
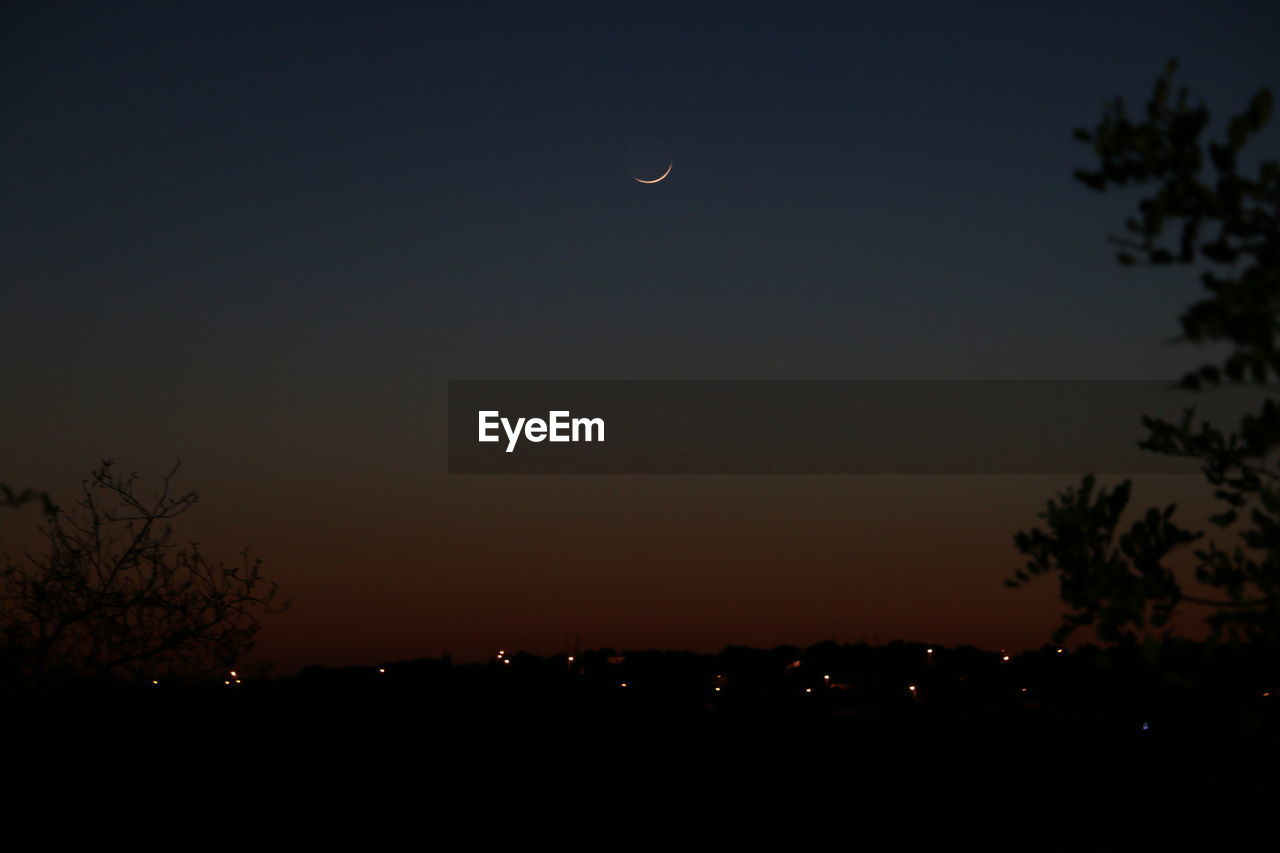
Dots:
(660, 177)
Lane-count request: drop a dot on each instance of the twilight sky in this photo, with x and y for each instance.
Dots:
(260, 237)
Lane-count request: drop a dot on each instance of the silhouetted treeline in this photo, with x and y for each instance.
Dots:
(1122, 680)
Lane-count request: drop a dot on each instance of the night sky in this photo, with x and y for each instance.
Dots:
(261, 237)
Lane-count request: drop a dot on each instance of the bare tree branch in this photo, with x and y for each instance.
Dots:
(114, 596)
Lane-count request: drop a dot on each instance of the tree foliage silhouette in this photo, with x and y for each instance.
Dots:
(112, 595)
(1202, 211)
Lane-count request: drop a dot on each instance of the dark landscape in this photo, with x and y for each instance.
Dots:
(643, 339)
(1078, 749)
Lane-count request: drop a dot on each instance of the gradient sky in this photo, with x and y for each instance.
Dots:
(260, 237)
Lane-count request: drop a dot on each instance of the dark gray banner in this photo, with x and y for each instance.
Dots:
(818, 427)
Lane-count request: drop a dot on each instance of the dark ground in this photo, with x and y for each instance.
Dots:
(527, 754)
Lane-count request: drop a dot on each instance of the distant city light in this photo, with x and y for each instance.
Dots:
(381, 669)
(808, 690)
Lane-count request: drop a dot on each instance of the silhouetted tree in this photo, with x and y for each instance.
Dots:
(1202, 211)
(12, 498)
(112, 595)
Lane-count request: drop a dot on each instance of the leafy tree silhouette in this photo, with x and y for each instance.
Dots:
(113, 596)
(1121, 582)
